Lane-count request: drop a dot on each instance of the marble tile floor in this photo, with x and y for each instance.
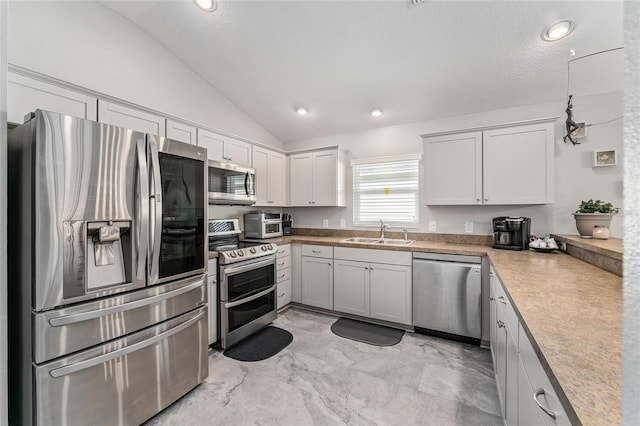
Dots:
(323, 379)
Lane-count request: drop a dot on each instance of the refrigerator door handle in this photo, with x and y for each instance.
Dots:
(83, 365)
(143, 209)
(155, 212)
(84, 316)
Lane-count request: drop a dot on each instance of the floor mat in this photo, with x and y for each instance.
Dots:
(262, 345)
(372, 334)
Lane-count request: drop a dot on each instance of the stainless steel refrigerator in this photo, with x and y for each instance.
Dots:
(107, 263)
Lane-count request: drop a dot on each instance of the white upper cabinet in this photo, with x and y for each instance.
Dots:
(486, 167)
(507, 180)
(453, 169)
(317, 178)
(271, 174)
(130, 118)
(224, 148)
(182, 132)
(25, 95)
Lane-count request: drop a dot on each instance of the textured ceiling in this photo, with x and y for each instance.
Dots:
(417, 62)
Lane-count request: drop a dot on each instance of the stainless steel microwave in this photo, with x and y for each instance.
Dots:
(230, 184)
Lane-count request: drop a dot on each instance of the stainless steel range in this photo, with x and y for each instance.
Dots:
(247, 282)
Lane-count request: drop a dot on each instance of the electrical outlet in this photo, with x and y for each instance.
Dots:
(432, 226)
(563, 246)
(343, 223)
(325, 223)
(468, 227)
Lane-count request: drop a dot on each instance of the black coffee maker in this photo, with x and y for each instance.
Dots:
(511, 232)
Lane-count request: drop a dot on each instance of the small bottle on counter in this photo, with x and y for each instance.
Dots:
(600, 232)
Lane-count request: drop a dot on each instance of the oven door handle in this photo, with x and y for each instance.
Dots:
(249, 299)
(244, 267)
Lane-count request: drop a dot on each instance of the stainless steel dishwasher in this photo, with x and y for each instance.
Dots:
(447, 296)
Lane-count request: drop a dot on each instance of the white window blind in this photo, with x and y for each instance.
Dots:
(386, 190)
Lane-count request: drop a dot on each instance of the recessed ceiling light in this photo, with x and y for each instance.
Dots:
(302, 110)
(208, 5)
(558, 30)
(376, 112)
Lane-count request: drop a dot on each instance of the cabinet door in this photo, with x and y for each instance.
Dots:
(301, 176)
(25, 95)
(453, 169)
(529, 414)
(260, 162)
(500, 366)
(492, 315)
(391, 297)
(237, 152)
(130, 118)
(214, 144)
(511, 382)
(181, 132)
(324, 178)
(519, 165)
(317, 282)
(351, 287)
(284, 293)
(277, 189)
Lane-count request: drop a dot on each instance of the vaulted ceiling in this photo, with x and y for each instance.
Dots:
(416, 61)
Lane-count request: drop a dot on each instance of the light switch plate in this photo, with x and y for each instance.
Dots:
(468, 227)
(432, 226)
(343, 223)
(325, 223)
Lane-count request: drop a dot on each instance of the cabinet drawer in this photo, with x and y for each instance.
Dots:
(539, 380)
(283, 274)
(283, 263)
(284, 293)
(283, 250)
(314, 250)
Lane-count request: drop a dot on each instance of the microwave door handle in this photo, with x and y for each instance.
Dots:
(142, 222)
(246, 183)
(155, 203)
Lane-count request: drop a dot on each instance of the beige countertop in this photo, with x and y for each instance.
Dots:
(571, 311)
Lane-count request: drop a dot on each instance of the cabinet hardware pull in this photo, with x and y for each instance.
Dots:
(316, 251)
(366, 267)
(501, 300)
(329, 263)
(281, 276)
(280, 264)
(486, 199)
(500, 324)
(536, 394)
(478, 200)
(492, 298)
(281, 295)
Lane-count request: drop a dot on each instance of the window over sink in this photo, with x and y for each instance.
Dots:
(386, 189)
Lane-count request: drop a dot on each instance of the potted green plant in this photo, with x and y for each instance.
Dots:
(593, 213)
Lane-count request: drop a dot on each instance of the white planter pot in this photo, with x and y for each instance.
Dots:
(586, 221)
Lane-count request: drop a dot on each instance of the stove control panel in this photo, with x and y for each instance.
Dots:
(247, 253)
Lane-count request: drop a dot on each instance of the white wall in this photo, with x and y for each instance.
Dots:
(90, 45)
(575, 178)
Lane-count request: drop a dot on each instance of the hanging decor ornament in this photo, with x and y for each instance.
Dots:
(570, 124)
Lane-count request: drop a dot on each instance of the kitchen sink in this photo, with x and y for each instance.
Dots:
(380, 241)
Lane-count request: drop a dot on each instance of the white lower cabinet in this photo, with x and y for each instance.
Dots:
(212, 279)
(525, 392)
(351, 287)
(283, 275)
(317, 276)
(372, 289)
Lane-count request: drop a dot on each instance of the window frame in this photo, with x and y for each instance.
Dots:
(356, 217)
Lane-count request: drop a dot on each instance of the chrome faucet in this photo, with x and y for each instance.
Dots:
(406, 234)
(383, 226)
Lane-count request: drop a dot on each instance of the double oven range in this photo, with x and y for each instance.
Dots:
(246, 283)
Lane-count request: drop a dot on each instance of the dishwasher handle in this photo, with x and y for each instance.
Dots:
(475, 266)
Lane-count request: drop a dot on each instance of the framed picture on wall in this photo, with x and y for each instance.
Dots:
(604, 158)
